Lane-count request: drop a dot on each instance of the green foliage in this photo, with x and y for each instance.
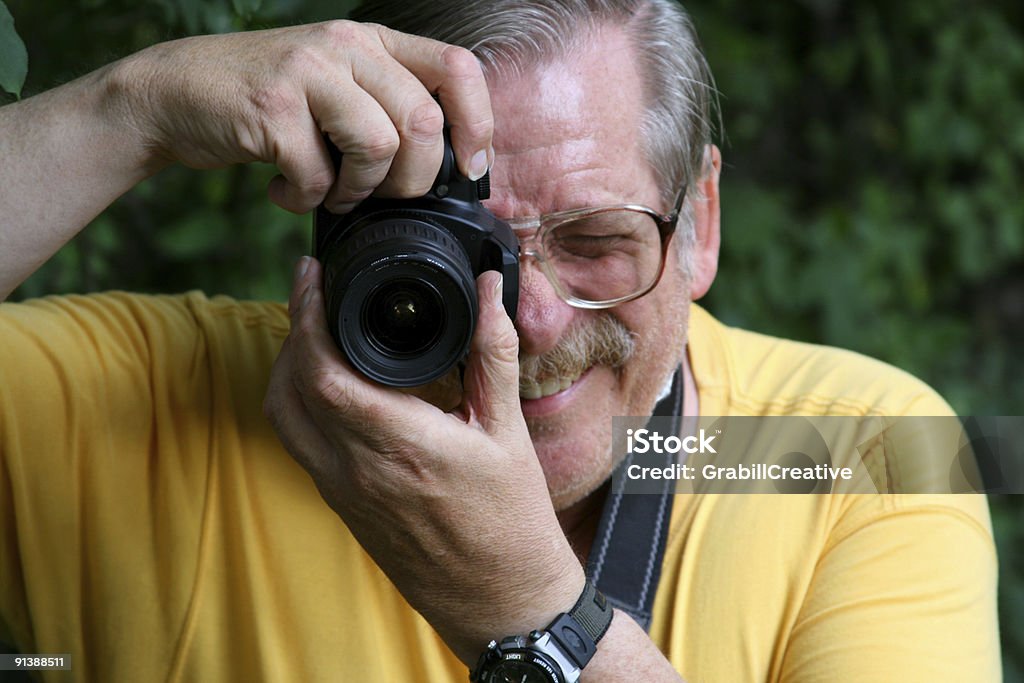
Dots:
(871, 194)
(13, 56)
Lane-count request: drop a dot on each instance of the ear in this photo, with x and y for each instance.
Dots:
(706, 224)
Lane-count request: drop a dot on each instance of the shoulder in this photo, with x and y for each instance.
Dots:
(113, 344)
(751, 373)
(117, 318)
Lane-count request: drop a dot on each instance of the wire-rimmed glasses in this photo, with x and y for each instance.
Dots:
(603, 256)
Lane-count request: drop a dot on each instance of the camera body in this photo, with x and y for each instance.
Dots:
(400, 276)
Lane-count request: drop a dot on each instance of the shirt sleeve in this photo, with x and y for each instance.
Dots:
(111, 410)
(89, 385)
(905, 593)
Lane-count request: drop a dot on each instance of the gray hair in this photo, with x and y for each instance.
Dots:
(514, 35)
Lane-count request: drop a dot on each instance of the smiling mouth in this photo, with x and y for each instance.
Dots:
(530, 389)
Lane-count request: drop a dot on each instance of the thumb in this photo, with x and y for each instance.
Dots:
(491, 382)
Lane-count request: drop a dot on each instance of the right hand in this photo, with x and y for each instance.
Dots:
(212, 101)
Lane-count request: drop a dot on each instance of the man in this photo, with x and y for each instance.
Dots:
(154, 526)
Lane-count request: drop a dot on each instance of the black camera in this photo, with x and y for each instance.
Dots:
(400, 276)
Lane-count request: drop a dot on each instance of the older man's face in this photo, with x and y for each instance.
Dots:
(567, 136)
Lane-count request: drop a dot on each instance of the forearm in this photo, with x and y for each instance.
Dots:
(65, 155)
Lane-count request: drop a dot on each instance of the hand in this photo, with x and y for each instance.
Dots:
(452, 506)
(212, 101)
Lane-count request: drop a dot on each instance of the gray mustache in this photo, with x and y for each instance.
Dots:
(604, 341)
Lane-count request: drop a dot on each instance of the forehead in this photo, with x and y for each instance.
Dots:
(567, 132)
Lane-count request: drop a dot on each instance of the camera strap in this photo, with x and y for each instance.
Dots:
(625, 559)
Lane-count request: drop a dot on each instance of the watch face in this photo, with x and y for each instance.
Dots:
(519, 672)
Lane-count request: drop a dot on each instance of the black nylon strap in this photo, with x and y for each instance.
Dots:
(625, 559)
(592, 612)
(579, 630)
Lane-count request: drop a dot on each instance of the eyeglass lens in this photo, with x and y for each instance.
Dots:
(605, 256)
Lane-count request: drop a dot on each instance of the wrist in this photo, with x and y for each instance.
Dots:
(126, 103)
(558, 653)
(532, 604)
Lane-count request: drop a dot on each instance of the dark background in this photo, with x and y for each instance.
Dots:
(874, 159)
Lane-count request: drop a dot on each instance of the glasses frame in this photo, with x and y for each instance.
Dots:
(533, 246)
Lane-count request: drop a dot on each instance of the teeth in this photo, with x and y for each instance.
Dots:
(531, 389)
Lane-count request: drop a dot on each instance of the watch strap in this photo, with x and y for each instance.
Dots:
(578, 631)
(592, 611)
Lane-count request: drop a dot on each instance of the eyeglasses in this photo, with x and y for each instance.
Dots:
(600, 257)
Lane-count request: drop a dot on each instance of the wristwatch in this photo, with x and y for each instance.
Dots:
(556, 654)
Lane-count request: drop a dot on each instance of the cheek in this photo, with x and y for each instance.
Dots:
(661, 342)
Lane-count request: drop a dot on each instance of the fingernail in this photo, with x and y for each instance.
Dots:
(343, 208)
(478, 165)
(301, 267)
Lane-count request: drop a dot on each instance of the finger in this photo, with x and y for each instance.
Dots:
(455, 75)
(420, 152)
(492, 370)
(362, 131)
(296, 430)
(307, 172)
(417, 119)
(299, 283)
(341, 401)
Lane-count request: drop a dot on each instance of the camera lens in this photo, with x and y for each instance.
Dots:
(404, 316)
(400, 297)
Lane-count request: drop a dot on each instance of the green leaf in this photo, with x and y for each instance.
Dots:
(13, 56)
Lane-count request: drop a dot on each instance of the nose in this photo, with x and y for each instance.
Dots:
(542, 317)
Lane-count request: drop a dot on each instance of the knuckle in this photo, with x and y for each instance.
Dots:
(324, 388)
(460, 63)
(301, 59)
(380, 145)
(478, 129)
(425, 122)
(507, 341)
(316, 184)
(344, 32)
(508, 351)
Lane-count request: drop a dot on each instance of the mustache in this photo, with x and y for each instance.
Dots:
(604, 341)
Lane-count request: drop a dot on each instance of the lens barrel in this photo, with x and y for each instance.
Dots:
(400, 297)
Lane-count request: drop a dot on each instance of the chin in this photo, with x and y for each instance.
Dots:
(573, 440)
(576, 462)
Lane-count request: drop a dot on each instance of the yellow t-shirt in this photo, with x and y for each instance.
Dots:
(152, 526)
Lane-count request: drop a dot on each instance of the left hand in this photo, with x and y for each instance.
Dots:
(452, 506)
